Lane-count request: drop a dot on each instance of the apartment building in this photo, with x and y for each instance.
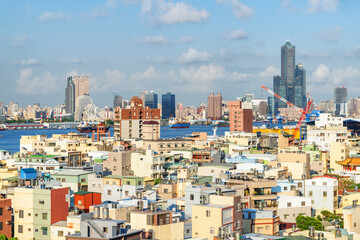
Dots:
(132, 122)
(156, 224)
(289, 207)
(260, 222)
(241, 120)
(116, 188)
(5, 217)
(323, 192)
(148, 164)
(222, 215)
(36, 209)
(118, 163)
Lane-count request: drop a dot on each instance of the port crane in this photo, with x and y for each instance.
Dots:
(303, 111)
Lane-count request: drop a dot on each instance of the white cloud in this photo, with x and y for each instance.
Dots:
(52, 16)
(315, 6)
(331, 35)
(239, 9)
(74, 60)
(31, 61)
(238, 35)
(17, 41)
(101, 11)
(29, 84)
(269, 72)
(187, 39)
(193, 56)
(162, 12)
(289, 5)
(153, 40)
(337, 76)
(159, 60)
(226, 54)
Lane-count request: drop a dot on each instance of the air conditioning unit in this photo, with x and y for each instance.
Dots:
(8, 222)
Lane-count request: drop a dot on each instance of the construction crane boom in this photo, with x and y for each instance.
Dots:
(303, 115)
(282, 99)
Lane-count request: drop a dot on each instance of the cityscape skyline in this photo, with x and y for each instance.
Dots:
(189, 56)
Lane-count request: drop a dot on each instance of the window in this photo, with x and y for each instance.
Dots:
(127, 182)
(105, 229)
(63, 180)
(300, 184)
(83, 180)
(303, 203)
(335, 193)
(238, 224)
(211, 230)
(285, 188)
(259, 230)
(109, 192)
(313, 183)
(41, 201)
(139, 182)
(310, 193)
(60, 233)
(107, 182)
(289, 204)
(44, 216)
(21, 213)
(312, 201)
(44, 231)
(1, 211)
(20, 229)
(114, 183)
(191, 196)
(324, 194)
(207, 213)
(324, 183)
(79, 202)
(187, 230)
(166, 190)
(1, 226)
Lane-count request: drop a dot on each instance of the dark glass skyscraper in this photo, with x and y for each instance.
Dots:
(117, 101)
(168, 105)
(70, 96)
(151, 100)
(340, 101)
(291, 85)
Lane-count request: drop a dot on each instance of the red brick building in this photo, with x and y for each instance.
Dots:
(241, 120)
(83, 200)
(5, 217)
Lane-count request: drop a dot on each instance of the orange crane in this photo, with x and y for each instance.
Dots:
(303, 111)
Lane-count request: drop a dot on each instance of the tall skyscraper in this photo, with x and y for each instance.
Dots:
(76, 87)
(117, 101)
(291, 85)
(340, 101)
(70, 96)
(168, 105)
(215, 107)
(151, 100)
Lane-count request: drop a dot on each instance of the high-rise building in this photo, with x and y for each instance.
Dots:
(70, 96)
(142, 95)
(117, 101)
(137, 121)
(151, 100)
(76, 87)
(215, 107)
(291, 85)
(340, 101)
(168, 105)
(241, 120)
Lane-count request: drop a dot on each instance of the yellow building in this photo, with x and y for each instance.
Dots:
(339, 151)
(260, 221)
(222, 215)
(157, 225)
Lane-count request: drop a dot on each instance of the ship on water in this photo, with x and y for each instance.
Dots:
(85, 127)
(178, 124)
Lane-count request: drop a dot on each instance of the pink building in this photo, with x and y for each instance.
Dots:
(241, 120)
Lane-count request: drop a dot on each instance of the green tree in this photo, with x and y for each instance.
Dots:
(157, 181)
(304, 223)
(3, 237)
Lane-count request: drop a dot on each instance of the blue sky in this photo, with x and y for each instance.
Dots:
(190, 48)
